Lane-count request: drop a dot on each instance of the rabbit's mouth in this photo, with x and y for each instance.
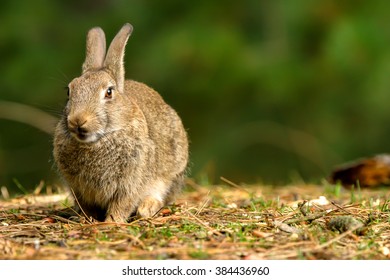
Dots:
(84, 136)
(87, 137)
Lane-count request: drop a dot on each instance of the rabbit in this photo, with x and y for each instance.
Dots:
(120, 148)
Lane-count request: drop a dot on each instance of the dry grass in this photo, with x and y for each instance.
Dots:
(215, 222)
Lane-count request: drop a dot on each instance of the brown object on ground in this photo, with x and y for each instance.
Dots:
(367, 172)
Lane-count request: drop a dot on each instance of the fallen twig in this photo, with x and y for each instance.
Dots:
(81, 208)
(308, 218)
(286, 228)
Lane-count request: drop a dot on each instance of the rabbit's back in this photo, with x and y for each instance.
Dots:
(165, 128)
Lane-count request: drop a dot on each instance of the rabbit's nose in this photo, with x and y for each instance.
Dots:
(81, 128)
(77, 125)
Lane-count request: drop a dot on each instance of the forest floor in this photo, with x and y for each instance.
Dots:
(228, 221)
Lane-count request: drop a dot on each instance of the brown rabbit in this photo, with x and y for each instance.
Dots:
(119, 146)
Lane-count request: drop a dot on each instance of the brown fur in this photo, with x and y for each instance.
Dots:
(123, 154)
(367, 172)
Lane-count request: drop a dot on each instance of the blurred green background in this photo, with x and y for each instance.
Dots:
(270, 91)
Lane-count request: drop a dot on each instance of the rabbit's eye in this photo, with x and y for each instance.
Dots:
(108, 94)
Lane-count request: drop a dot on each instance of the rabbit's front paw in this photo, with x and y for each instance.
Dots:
(115, 219)
(149, 207)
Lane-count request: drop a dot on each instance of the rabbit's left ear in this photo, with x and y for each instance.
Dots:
(115, 54)
(95, 49)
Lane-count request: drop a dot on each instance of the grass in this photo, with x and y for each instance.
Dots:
(214, 222)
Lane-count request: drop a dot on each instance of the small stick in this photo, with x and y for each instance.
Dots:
(4, 192)
(326, 244)
(204, 224)
(206, 201)
(65, 220)
(340, 208)
(234, 184)
(286, 228)
(77, 201)
(77, 213)
(39, 188)
(303, 211)
(267, 221)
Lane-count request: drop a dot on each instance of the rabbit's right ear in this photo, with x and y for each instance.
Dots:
(115, 54)
(95, 49)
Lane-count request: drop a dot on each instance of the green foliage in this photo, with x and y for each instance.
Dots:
(333, 190)
(198, 255)
(266, 89)
(20, 186)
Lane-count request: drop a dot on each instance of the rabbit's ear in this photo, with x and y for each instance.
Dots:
(95, 49)
(115, 54)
